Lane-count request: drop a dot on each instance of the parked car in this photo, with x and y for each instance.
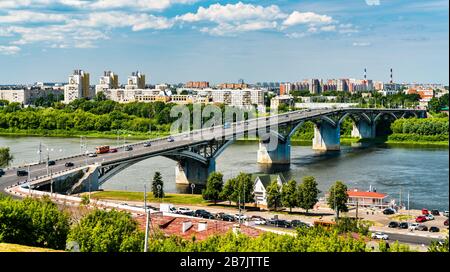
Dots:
(282, 223)
(446, 222)
(91, 155)
(429, 217)
(240, 216)
(421, 219)
(227, 217)
(422, 228)
(203, 214)
(380, 235)
(393, 224)
(434, 229)
(403, 225)
(445, 213)
(259, 221)
(298, 223)
(128, 148)
(183, 210)
(413, 226)
(50, 163)
(435, 212)
(166, 207)
(425, 212)
(170, 139)
(21, 173)
(2, 172)
(191, 213)
(113, 150)
(68, 164)
(147, 144)
(388, 211)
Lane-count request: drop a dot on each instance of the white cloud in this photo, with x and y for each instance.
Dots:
(373, 2)
(328, 28)
(361, 44)
(226, 29)
(296, 35)
(296, 18)
(233, 12)
(9, 50)
(23, 16)
(115, 19)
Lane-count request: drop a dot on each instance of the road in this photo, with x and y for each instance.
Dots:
(161, 146)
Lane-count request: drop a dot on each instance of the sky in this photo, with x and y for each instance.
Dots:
(174, 41)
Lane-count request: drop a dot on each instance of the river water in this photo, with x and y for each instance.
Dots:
(423, 172)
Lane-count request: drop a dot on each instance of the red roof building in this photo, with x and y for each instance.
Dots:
(366, 199)
(186, 227)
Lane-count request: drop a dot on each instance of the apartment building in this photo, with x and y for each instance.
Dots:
(27, 95)
(78, 87)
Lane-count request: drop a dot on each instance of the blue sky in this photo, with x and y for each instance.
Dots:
(220, 41)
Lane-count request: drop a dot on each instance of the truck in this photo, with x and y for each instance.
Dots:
(166, 207)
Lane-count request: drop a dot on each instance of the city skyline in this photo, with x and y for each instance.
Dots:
(223, 41)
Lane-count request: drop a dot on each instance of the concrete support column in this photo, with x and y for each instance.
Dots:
(190, 171)
(364, 130)
(326, 137)
(281, 154)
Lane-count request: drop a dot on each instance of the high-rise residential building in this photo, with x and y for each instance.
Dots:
(108, 81)
(314, 86)
(78, 86)
(285, 88)
(341, 85)
(233, 86)
(136, 81)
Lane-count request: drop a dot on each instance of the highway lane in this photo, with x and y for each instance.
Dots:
(182, 140)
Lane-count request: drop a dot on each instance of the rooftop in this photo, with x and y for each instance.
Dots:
(356, 193)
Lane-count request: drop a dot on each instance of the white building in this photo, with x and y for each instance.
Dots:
(281, 100)
(262, 181)
(108, 81)
(27, 96)
(78, 87)
(135, 81)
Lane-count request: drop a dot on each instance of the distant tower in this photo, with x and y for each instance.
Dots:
(365, 74)
(392, 81)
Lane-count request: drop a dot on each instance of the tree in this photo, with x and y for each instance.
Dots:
(309, 193)
(228, 190)
(289, 195)
(214, 186)
(273, 195)
(5, 156)
(157, 180)
(243, 188)
(439, 246)
(337, 197)
(107, 231)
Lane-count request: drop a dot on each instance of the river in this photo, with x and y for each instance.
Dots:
(423, 172)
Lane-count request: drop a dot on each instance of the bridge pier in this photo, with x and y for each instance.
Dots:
(326, 137)
(190, 171)
(364, 130)
(280, 155)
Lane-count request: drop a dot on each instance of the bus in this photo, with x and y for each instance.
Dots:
(102, 149)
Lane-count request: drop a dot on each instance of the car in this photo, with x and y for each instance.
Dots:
(21, 173)
(414, 226)
(380, 235)
(68, 164)
(50, 163)
(445, 213)
(147, 144)
(429, 217)
(282, 223)
(203, 214)
(191, 213)
(2, 172)
(183, 210)
(113, 150)
(227, 217)
(170, 139)
(393, 224)
(92, 155)
(425, 212)
(403, 225)
(259, 221)
(433, 229)
(388, 211)
(240, 216)
(421, 219)
(298, 223)
(435, 212)
(128, 148)
(422, 228)
(446, 222)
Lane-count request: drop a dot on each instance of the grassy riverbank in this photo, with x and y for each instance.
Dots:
(4, 247)
(139, 196)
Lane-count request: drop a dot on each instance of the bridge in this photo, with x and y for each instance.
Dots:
(196, 151)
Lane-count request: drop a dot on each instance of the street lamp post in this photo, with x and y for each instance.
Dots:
(192, 188)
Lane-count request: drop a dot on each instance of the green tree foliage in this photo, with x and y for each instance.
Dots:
(214, 186)
(228, 190)
(243, 188)
(436, 104)
(273, 195)
(308, 193)
(107, 231)
(337, 197)
(289, 195)
(5, 156)
(439, 246)
(348, 224)
(157, 180)
(33, 222)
